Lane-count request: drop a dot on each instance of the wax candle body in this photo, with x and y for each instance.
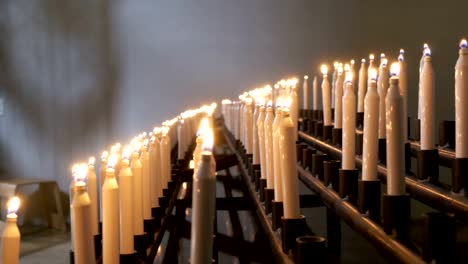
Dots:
(180, 140)
(268, 129)
(427, 106)
(10, 241)
(315, 94)
(256, 144)
(137, 198)
(278, 180)
(294, 110)
(126, 208)
(102, 177)
(403, 84)
(395, 142)
(349, 127)
(421, 64)
(83, 241)
(371, 124)
(156, 150)
(327, 120)
(146, 183)
(165, 160)
(382, 86)
(288, 167)
(249, 127)
(339, 101)
(461, 105)
(261, 140)
(305, 90)
(93, 196)
(110, 219)
(203, 197)
(362, 87)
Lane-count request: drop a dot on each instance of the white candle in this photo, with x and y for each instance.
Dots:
(156, 173)
(403, 83)
(362, 86)
(294, 106)
(382, 86)
(305, 90)
(349, 125)
(421, 64)
(461, 99)
(203, 210)
(165, 157)
(110, 218)
(256, 142)
(395, 140)
(353, 71)
(428, 101)
(137, 198)
(289, 169)
(268, 129)
(333, 83)
(102, 177)
(278, 180)
(371, 66)
(11, 235)
(326, 97)
(248, 125)
(261, 140)
(93, 196)
(145, 181)
(126, 204)
(371, 124)
(315, 94)
(339, 95)
(180, 140)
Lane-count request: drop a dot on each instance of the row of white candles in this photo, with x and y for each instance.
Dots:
(132, 180)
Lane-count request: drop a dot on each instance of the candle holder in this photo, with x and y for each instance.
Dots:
(369, 199)
(140, 244)
(317, 164)
(447, 134)
(269, 198)
(163, 202)
(249, 163)
(349, 184)
(333, 114)
(396, 215)
(327, 133)
(311, 127)
(382, 153)
(337, 134)
(307, 157)
(299, 148)
(257, 177)
(310, 249)
(276, 214)
(98, 245)
(292, 228)
(417, 130)
(330, 171)
(459, 172)
(149, 227)
(255, 167)
(428, 165)
(360, 120)
(304, 124)
(157, 213)
(318, 115)
(261, 192)
(128, 259)
(408, 157)
(166, 191)
(319, 129)
(71, 255)
(439, 238)
(359, 141)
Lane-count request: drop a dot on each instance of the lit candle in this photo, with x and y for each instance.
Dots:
(395, 140)
(268, 129)
(326, 96)
(382, 86)
(371, 124)
(305, 90)
(83, 242)
(421, 64)
(145, 180)
(371, 66)
(110, 218)
(349, 124)
(261, 140)
(156, 173)
(428, 101)
(137, 198)
(278, 180)
(126, 204)
(249, 125)
(339, 95)
(102, 177)
(11, 235)
(203, 209)
(333, 83)
(288, 167)
(93, 196)
(315, 94)
(403, 83)
(461, 99)
(362, 86)
(165, 157)
(256, 142)
(180, 140)
(294, 105)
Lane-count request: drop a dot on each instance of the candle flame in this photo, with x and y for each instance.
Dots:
(335, 64)
(352, 62)
(425, 46)
(270, 104)
(363, 60)
(395, 69)
(347, 67)
(104, 155)
(349, 77)
(248, 100)
(427, 52)
(306, 77)
(192, 164)
(276, 86)
(204, 126)
(126, 152)
(463, 44)
(226, 102)
(384, 62)
(373, 74)
(112, 161)
(324, 69)
(371, 57)
(91, 161)
(80, 172)
(13, 205)
(208, 140)
(165, 130)
(401, 57)
(382, 55)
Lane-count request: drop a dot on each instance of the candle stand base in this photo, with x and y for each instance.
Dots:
(261, 191)
(128, 258)
(71, 257)
(369, 199)
(428, 165)
(307, 157)
(337, 134)
(396, 215)
(382, 153)
(171, 187)
(459, 172)
(269, 198)
(255, 167)
(333, 114)
(417, 130)
(98, 245)
(308, 113)
(439, 241)
(317, 164)
(408, 157)
(140, 245)
(163, 202)
(360, 120)
(331, 172)
(359, 142)
(149, 227)
(257, 177)
(349, 184)
(319, 129)
(327, 133)
(157, 213)
(276, 214)
(249, 163)
(166, 192)
(299, 150)
(310, 249)
(292, 228)
(311, 127)
(318, 114)
(447, 134)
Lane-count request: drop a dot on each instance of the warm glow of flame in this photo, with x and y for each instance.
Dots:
(382, 55)
(371, 57)
(306, 77)
(363, 60)
(276, 86)
(226, 102)
(279, 102)
(127, 152)
(324, 69)
(425, 46)
(13, 205)
(112, 161)
(335, 64)
(208, 140)
(287, 101)
(204, 126)
(352, 62)
(91, 161)
(104, 155)
(427, 52)
(136, 144)
(402, 51)
(395, 69)
(463, 44)
(340, 69)
(349, 77)
(373, 74)
(248, 100)
(80, 172)
(401, 57)
(165, 130)
(270, 103)
(192, 164)
(347, 67)
(384, 62)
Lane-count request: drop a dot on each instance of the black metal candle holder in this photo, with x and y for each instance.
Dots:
(331, 172)
(310, 127)
(407, 148)
(396, 215)
(269, 198)
(447, 134)
(369, 199)
(255, 167)
(459, 172)
(128, 258)
(417, 129)
(98, 245)
(349, 184)
(261, 192)
(276, 214)
(140, 244)
(317, 164)
(359, 142)
(292, 228)
(149, 227)
(382, 153)
(71, 255)
(257, 178)
(327, 133)
(439, 241)
(428, 165)
(307, 157)
(360, 120)
(310, 249)
(157, 213)
(163, 202)
(337, 136)
(309, 113)
(299, 148)
(318, 114)
(319, 129)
